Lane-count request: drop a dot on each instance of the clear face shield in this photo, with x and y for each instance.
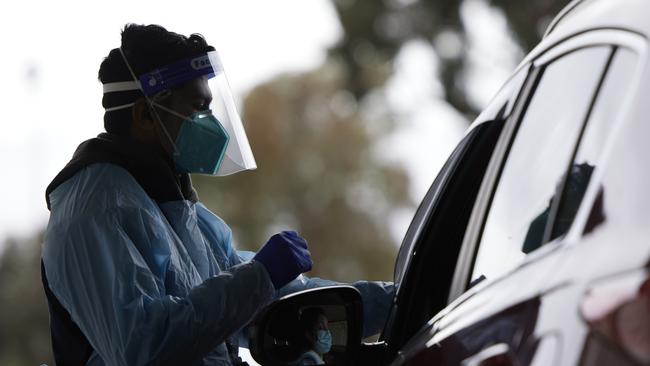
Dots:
(209, 140)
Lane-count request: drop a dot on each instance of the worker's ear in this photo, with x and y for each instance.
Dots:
(141, 116)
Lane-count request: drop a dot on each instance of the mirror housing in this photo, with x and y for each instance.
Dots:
(274, 334)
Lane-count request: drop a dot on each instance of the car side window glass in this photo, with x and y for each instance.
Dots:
(538, 159)
(606, 109)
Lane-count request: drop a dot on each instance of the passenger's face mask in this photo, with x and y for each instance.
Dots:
(323, 341)
(200, 144)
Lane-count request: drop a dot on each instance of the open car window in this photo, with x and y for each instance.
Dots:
(498, 110)
(427, 259)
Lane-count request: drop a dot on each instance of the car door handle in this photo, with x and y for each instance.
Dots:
(494, 355)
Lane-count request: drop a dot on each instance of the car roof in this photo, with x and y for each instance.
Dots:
(565, 13)
(580, 16)
(583, 15)
(624, 13)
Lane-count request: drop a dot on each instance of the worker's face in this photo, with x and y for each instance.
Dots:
(193, 96)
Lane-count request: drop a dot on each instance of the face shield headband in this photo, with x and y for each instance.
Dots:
(210, 142)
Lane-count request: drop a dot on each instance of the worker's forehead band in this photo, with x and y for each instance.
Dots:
(170, 75)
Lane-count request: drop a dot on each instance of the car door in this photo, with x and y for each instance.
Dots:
(528, 200)
(439, 226)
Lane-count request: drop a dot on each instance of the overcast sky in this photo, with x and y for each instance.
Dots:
(52, 99)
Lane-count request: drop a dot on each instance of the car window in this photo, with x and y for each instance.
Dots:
(429, 253)
(608, 104)
(538, 159)
(423, 210)
(497, 110)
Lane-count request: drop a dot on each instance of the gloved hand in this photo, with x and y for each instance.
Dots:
(285, 256)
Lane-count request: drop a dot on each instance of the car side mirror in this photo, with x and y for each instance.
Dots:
(278, 338)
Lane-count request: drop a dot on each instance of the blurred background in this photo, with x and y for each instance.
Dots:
(351, 108)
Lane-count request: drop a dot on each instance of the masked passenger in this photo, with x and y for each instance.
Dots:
(136, 270)
(315, 338)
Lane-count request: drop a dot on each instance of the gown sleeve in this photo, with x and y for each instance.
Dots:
(95, 268)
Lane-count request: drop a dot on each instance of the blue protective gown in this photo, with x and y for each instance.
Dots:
(150, 282)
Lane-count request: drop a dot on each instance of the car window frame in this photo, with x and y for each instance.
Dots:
(500, 107)
(579, 225)
(599, 37)
(486, 129)
(590, 94)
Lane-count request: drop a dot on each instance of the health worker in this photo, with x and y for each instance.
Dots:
(135, 268)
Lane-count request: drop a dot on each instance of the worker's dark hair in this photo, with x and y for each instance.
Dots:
(146, 47)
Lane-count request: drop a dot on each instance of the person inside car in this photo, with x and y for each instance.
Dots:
(314, 339)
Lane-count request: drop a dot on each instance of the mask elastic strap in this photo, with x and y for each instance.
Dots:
(117, 108)
(170, 111)
(151, 107)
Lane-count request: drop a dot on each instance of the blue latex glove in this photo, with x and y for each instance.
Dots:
(285, 256)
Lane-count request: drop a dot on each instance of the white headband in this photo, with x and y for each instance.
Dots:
(121, 86)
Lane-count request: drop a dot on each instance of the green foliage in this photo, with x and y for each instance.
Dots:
(316, 174)
(24, 320)
(376, 30)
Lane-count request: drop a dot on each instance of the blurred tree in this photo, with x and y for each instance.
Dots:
(24, 319)
(317, 173)
(374, 32)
